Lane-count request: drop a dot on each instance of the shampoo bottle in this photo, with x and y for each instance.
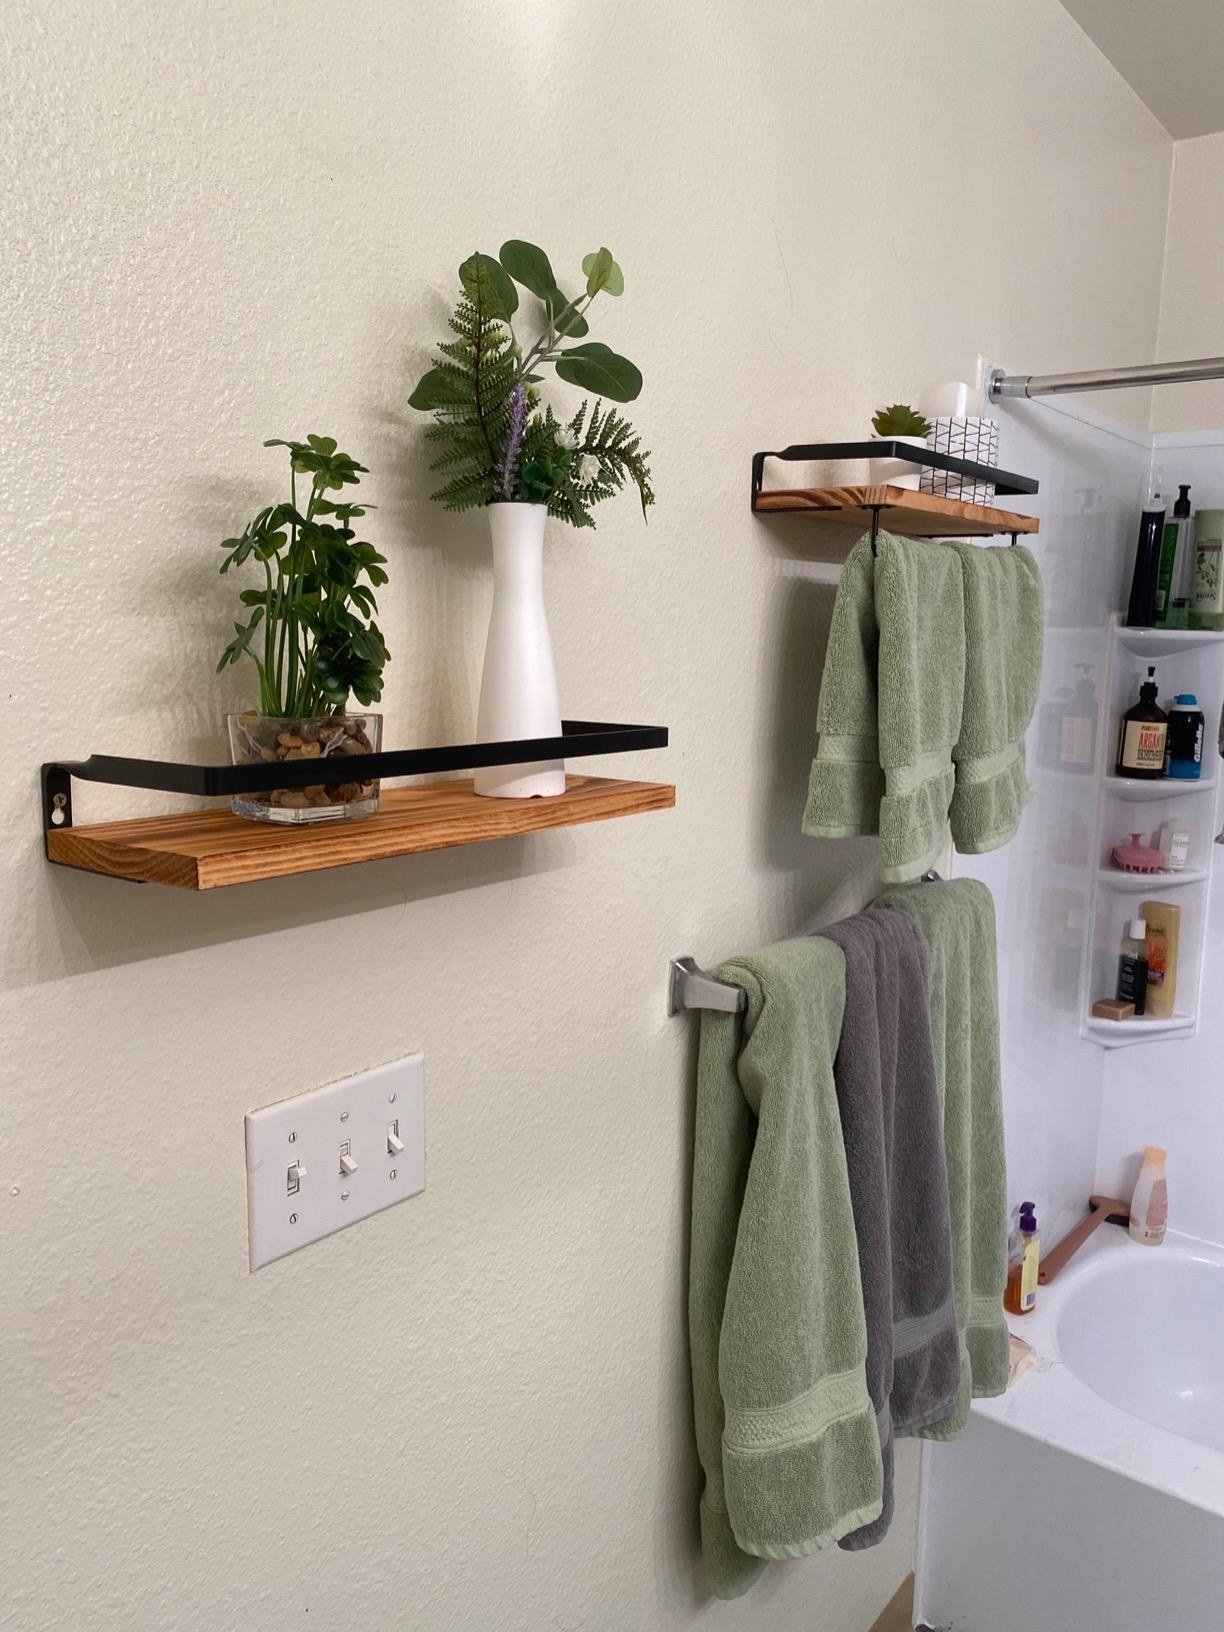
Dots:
(1162, 921)
(1141, 609)
(1149, 1214)
(1207, 604)
(1176, 565)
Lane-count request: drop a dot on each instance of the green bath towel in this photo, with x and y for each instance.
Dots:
(786, 1432)
(890, 703)
(920, 610)
(1003, 637)
(847, 781)
(957, 918)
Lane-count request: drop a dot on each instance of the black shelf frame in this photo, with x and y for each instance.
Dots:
(578, 740)
(1006, 482)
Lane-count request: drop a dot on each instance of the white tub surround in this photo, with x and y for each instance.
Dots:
(1092, 1492)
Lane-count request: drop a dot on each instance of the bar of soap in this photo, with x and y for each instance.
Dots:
(1113, 1008)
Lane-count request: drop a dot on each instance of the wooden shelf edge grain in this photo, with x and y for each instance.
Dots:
(208, 850)
(903, 510)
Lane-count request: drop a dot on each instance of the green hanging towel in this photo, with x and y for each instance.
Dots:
(1004, 625)
(890, 703)
(786, 1431)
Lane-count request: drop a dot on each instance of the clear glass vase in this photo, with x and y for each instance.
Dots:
(329, 738)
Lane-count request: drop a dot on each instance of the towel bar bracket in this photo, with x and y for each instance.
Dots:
(689, 987)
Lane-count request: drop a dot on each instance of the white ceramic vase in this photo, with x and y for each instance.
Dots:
(897, 472)
(518, 688)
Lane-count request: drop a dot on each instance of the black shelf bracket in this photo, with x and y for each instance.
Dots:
(1006, 482)
(579, 739)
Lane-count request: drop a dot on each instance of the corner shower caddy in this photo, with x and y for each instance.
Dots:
(204, 850)
(1195, 660)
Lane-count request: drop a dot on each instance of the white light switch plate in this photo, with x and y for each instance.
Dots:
(328, 1158)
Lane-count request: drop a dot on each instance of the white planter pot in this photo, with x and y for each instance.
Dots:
(897, 472)
(518, 689)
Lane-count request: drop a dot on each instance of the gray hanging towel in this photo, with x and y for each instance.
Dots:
(957, 921)
(892, 1128)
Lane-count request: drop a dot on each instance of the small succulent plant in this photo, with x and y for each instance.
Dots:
(900, 420)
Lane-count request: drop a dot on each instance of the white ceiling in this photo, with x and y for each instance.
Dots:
(1170, 51)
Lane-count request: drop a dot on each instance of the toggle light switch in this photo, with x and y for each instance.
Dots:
(347, 1164)
(394, 1143)
(294, 1177)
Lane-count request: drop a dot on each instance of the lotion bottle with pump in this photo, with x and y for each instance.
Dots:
(1149, 1212)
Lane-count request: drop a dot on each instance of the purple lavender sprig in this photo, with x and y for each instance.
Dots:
(507, 465)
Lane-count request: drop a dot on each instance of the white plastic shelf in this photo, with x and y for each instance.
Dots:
(1142, 1029)
(1154, 643)
(1113, 878)
(1141, 792)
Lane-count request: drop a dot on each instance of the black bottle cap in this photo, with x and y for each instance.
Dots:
(1182, 507)
(1148, 690)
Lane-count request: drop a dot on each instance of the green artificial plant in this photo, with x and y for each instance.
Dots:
(496, 443)
(900, 420)
(310, 631)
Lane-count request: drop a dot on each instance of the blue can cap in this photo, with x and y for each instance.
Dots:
(1187, 697)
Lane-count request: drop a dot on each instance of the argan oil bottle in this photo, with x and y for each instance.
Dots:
(1142, 738)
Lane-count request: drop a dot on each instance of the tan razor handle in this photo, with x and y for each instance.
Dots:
(1103, 1207)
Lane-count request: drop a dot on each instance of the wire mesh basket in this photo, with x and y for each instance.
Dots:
(973, 438)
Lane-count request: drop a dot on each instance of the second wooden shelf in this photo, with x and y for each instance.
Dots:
(206, 850)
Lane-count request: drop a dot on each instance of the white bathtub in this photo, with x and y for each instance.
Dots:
(1090, 1497)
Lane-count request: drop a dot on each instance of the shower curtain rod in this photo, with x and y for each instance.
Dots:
(1104, 379)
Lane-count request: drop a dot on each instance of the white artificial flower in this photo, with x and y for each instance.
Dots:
(588, 469)
(567, 437)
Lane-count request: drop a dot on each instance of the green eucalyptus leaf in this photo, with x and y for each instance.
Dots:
(597, 368)
(527, 264)
(439, 388)
(602, 273)
(489, 287)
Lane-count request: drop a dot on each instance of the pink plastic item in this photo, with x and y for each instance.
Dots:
(1136, 857)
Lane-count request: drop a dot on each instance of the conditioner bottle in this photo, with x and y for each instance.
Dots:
(1149, 1214)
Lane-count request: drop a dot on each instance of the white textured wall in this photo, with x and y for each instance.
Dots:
(1192, 302)
(236, 219)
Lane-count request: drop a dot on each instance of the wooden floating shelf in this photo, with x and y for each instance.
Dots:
(207, 850)
(902, 510)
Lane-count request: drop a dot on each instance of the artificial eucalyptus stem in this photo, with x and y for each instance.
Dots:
(497, 442)
(545, 348)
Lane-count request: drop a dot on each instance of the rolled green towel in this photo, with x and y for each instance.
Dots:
(1003, 639)
(786, 1432)
(957, 918)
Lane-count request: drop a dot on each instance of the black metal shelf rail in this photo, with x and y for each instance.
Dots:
(578, 739)
(1006, 482)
